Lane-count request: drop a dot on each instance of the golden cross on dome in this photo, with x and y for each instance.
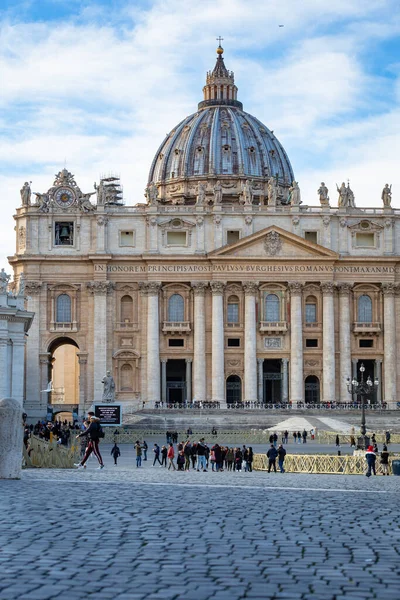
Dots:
(220, 39)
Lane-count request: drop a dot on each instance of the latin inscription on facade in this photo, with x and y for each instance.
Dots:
(245, 268)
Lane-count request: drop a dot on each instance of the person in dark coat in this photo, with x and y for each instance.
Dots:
(271, 455)
(115, 453)
(281, 458)
(250, 458)
(385, 460)
(164, 453)
(156, 451)
(370, 457)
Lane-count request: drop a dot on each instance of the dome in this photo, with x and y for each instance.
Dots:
(219, 141)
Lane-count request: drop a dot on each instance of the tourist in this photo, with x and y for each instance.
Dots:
(115, 453)
(352, 440)
(193, 455)
(281, 458)
(201, 451)
(271, 455)
(229, 458)
(180, 461)
(145, 448)
(312, 433)
(171, 456)
(376, 448)
(212, 459)
(275, 439)
(370, 457)
(387, 437)
(286, 438)
(138, 449)
(92, 433)
(385, 460)
(187, 451)
(337, 441)
(156, 451)
(294, 437)
(305, 436)
(299, 437)
(238, 459)
(250, 458)
(164, 453)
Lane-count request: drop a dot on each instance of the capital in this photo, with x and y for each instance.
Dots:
(389, 289)
(327, 287)
(32, 288)
(344, 288)
(295, 288)
(199, 287)
(153, 288)
(100, 288)
(250, 287)
(217, 287)
(102, 221)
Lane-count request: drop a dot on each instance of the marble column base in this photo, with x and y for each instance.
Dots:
(11, 438)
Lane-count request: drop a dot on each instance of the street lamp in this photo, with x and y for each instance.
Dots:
(364, 389)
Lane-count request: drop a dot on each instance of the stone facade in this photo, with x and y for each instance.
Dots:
(238, 295)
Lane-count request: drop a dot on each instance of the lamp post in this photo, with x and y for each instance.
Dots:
(364, 389)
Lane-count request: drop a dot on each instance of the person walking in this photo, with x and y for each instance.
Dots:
(387, 437)
(275, 439)
(171, 455)
(145, 448)
(337, 441)
(286, 434)
(93, 434)
(281, 458)
(138, 449)
(156, 451)
(271, 455)
(385, 460)
(370, 457)
(201, 455)
(115, 453)
(164, 453)
(304, 436)
(187, 451)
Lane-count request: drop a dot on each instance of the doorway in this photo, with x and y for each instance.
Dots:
(233, 390)
(272, 377)
(311, 390)
(369, 366)
(176, 381)
(64, 374)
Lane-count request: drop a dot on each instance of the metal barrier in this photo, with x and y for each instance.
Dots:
(50, 455)
(323, 464)
(329, 437)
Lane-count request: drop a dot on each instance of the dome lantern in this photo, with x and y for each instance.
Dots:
(220, 88)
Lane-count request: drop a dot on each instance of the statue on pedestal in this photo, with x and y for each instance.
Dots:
(247, 193)
(294, 194)
(272, 191)
(346, 196)
(217, 193)
(26, 194)
(323, 194)
(4, 281)
(108, 388)
(152, 194)
(21, 285)
(387, 196)
(201, 194)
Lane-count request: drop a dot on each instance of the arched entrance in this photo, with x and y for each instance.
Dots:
(311, 390)
(233, 389)
(64, 374)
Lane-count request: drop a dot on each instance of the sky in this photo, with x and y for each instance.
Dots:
(95, 86)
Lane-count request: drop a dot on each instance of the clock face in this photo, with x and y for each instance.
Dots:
(64, 197)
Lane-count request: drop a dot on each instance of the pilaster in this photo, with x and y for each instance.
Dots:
(296, 343)
(218, 362)
(328, 342)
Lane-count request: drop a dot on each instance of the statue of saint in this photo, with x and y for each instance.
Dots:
(201, 194)
(26, 194)
(85, 203)
(152, 194)
(387, 195)
(294, 194)
(323, 194)
(247, 193)
(108, 388)
(217, 193)
(343, 199)
(4, 281)
(350, 197)
(43, 201)
(272, 191)
(21, 285)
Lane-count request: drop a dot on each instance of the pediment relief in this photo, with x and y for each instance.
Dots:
(365, 225)
(274, 242)
(126, 355)
(176, 224)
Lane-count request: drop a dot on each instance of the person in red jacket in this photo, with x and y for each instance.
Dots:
(92, 433)
(170, 456)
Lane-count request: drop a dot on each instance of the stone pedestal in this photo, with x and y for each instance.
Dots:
(11, 436)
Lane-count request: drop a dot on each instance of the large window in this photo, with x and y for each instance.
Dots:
(126, 309)
(63, 312)
(233, 310)
(176, 308)
(311, 310)
(364, 309)
(272, 308)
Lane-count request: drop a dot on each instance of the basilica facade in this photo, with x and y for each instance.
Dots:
(223, 286)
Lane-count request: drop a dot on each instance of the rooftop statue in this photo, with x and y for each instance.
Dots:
(247, 193)
(294, 194)
(85, 204)
(201, 194)
(21, 285)
(387, 195)
(108, 388)
(217, 193)
(346, 196)
(4, 281)
(26, 194)
(43, 201)
(323, 194)
(272, 191)
(152, 194)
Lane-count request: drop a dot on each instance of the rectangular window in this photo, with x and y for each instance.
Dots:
(365, 240)
(233, 342)
(311, 236)
(126, 238)
(175, 343)
(232, 237)
(63, 233)
(176, 238)
(311, 313)
(366, 343)
(311, 343)
(233, 313)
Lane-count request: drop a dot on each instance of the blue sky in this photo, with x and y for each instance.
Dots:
(99, 84)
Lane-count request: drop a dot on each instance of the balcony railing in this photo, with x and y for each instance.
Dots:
(312, 325)
(73, 326)
(234, 325)
(273, 326)
(126, 325)
(359, 327)
(176, 327)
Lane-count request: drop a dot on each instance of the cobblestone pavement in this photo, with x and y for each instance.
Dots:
(154, 534)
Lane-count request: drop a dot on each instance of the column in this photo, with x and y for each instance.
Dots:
(199, 341)
(164, 380)
(344, 340)
(378, 375)
(389, 344)
(18, 368)
(260, 365)
(328, 342)
(189, 380)
(99, 289)
(35, 401)
(217, 341)
(82, 360)
(153, 343)
(285, 380)
(4, 385)
(250, 342)
(45, 377)
(296, 343)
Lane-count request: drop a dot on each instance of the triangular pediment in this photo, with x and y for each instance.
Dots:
(273, 242)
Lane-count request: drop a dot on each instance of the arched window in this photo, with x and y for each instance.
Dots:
(233, 310)
(364, 309)
(126, 378)
(311, 310)
(126, 309)
(63, 312)
(176, 308)
(272, 308)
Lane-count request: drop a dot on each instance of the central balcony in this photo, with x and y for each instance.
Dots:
(367, 328)
(176, 327)
(273, 327)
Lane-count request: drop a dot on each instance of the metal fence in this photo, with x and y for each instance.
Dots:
(323, 464)
(50, 455)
